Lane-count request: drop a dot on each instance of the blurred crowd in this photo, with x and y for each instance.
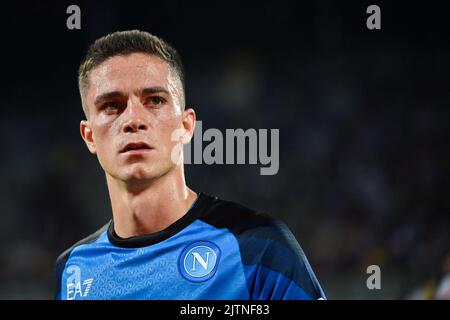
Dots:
(364, 158)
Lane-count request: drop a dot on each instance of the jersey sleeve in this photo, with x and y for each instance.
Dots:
(58, 270)
(276, 267)
(61, 261)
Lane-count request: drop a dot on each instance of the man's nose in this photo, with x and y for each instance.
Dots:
(135, 117)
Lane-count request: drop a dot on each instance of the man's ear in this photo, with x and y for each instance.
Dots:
(87, 135)
(188, 122)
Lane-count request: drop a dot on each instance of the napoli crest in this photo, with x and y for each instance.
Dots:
(198, 261)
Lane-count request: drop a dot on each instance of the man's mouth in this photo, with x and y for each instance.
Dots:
(135, 148)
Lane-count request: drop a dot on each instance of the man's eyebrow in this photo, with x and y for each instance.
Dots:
(116, 94)
(108, 95)
(151, 90)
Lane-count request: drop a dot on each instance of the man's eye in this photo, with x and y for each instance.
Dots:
(110, 106)
(155, 100)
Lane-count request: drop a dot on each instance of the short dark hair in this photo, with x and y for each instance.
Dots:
(124, 43)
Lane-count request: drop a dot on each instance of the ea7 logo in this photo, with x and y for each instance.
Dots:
(76, 288)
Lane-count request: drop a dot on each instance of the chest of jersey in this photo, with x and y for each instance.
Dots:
(200, 262)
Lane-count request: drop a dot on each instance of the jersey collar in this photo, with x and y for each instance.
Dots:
(152, 238)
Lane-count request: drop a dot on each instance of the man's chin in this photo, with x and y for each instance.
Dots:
(140, 175)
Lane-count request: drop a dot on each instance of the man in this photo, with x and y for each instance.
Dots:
(165, 241)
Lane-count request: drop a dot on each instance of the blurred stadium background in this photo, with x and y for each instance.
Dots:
(363, 118)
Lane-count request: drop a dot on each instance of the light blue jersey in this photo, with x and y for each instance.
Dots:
(217, 250)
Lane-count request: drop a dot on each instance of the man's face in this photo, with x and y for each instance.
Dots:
(133, 110)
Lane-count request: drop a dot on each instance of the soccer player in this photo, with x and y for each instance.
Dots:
(165, 241)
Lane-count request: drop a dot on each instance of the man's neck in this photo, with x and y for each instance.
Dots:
(153, 208)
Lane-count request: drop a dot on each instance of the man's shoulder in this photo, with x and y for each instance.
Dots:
(266, 244)
(64, 257)
(89, 239)
(246, 222)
